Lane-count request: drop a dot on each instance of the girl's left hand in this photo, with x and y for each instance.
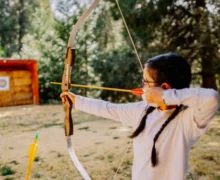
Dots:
(69, 95)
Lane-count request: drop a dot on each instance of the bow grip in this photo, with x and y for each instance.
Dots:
(67, 105)
(68, 121)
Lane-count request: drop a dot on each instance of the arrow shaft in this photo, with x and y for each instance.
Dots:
(29, 171)
(95, 87)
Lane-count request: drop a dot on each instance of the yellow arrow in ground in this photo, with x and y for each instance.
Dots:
(31, 155)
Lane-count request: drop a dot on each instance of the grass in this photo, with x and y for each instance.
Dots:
(129, 163)
(23, 125)
(83, 128)
(6, 170)
(51, 125)
(37, 159)
(113, 128)
(116, 137)
(204, 161)
(110, 158)
(189, 176)
(38, 175)
(59, 155)
(14, 162)
(87, 155)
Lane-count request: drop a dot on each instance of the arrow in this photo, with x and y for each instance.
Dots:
(137, 91)
(31, 155)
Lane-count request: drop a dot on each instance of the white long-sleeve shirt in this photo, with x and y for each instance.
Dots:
(176, 139)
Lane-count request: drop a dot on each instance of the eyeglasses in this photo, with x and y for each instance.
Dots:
(144, 82)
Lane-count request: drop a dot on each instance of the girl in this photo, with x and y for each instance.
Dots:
(168, 121)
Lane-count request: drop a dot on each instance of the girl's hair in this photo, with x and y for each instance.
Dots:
(174, 70)
(170, 68)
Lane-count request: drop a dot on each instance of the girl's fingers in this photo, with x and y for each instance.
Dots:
(62, 96)
(70, 95)
(63, 99)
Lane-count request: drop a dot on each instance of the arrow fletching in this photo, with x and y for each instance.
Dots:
(137, 91)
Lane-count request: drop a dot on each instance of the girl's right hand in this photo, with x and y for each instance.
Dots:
(70, 95)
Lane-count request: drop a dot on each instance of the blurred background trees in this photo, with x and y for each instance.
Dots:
(105, 56)
(15, 18)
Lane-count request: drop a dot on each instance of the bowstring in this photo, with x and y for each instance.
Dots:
(122, 160)
(138, 57)
(132, 41)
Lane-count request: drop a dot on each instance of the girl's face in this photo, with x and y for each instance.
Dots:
(148, 80)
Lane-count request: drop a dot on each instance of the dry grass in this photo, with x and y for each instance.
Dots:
(204, 158)
(99, 144)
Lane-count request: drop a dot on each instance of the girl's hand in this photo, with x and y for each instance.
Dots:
(70, 95)
(154, 95)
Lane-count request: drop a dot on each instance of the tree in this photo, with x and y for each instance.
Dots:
(15, 20)
(189, 29)
(47, 42)
(8, 27)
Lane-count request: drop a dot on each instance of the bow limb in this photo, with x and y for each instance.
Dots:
(66, 81)
(72, 39)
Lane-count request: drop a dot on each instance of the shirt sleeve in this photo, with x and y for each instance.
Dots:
(202, 105)
(128, 113)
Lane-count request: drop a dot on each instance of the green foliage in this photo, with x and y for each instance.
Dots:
(7, 28)
(6, 170)
(191, 29)
(104, 53)
(187, 27)
(89, 40)
(118, 68)
(1, 50)
(44, 45)
(142, 18)
(14, 19)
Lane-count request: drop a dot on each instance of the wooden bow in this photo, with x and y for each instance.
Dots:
(66, 81)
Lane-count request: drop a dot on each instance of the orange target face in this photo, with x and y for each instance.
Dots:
(2, 83)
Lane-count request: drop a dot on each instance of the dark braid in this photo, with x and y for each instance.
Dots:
(154, 159)
(142, 124)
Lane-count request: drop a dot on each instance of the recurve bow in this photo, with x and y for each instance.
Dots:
(66, 81)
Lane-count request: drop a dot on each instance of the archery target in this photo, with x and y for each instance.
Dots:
(4, 83)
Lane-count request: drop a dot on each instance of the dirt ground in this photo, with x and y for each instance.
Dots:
(99, 144)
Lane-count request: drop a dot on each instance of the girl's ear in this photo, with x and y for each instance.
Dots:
(166, 86)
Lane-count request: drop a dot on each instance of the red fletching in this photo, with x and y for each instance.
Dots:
(137, 91)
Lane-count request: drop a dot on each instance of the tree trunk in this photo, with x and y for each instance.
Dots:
(21, 23)
(207, 49)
